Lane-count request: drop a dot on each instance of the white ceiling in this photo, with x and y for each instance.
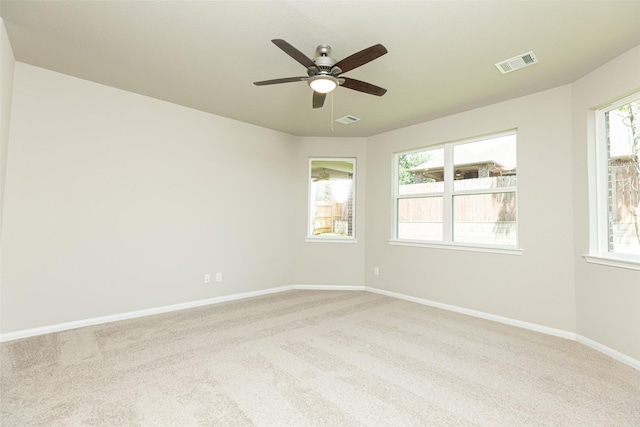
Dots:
(207, 54)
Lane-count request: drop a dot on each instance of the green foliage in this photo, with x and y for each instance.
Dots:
(406, 162)
(633, 121)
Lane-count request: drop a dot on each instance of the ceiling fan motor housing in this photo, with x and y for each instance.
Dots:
(324, 62)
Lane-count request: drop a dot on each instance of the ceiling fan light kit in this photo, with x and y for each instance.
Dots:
(324, 72)
(323, 83)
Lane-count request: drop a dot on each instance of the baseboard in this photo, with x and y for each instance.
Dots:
(59, 327)
(614, 354)
(331, 287)
(216, 300)
(620, 357)
(508, 321)
(26, 333)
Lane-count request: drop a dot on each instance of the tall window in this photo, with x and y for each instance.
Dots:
(618, 180)
(461, 193)
(331, 199)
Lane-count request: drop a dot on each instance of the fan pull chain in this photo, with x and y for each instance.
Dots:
(331, 111)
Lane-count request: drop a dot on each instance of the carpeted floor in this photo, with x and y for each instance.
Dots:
(312, 358)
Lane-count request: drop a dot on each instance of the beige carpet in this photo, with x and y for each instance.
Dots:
(312, 358)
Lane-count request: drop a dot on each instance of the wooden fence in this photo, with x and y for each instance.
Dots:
(488, 207)
(625, 190)
(331, 217)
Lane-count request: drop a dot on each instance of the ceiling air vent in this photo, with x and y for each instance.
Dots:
(517, 62)
(347, 120)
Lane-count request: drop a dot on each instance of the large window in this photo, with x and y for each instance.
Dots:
(331, 199)
(617, 181)
(460, 194)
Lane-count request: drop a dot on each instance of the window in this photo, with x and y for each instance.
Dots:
(616, 233)
(460, 194)
(331, 199)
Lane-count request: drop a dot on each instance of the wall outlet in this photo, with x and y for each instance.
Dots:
(207, 278)
(376, 271)
(218, 277)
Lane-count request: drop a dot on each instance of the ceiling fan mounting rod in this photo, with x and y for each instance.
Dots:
(323, 50)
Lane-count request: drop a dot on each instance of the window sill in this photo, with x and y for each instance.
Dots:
(330, 240)
(613, 261)
(458, 247)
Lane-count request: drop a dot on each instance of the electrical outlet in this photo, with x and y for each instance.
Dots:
(218, 277)
(207, 278)
(376, 271)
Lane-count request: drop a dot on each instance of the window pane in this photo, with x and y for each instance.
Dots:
(623, 180)
(331, 198)
(490, 163)
(421, 172)
(485, 218)
(478, 206)
(420, 218)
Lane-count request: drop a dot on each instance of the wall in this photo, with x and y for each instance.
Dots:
(116, 202)
(7, 62)
(329, 263)
(535, 287)
(607, 298)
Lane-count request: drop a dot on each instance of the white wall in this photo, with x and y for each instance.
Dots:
(329, 263)
(7, 62)
(535, 287)
(608, 298)
(116, 202)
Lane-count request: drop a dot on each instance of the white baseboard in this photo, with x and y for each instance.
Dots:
(26, 333)
(216, 300)
(614, 354)
(331, 287)
(59, 327)
(513, 322)
(620, 357)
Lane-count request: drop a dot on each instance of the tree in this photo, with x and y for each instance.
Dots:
(405, 163)
(633, 121)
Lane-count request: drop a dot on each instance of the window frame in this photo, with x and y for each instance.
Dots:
(599, 252)
(332, 238)
(448, 195)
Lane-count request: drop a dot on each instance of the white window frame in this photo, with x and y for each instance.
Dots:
(332, 239)
(598, 191)
(448, 195)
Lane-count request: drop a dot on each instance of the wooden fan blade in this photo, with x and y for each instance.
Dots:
(361, 58)
(295, 53)
(318, 99)
(363, 86)
(283, 80)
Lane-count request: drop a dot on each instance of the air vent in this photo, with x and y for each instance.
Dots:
(517, 62)
(347, 120)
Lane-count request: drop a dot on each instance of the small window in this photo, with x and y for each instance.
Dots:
(331, 199)
(461, 193)
(617, 211)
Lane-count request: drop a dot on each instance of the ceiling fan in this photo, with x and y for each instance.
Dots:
(324, 73)
(322, 176)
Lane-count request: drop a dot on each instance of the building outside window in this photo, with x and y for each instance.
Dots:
(462, 193)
